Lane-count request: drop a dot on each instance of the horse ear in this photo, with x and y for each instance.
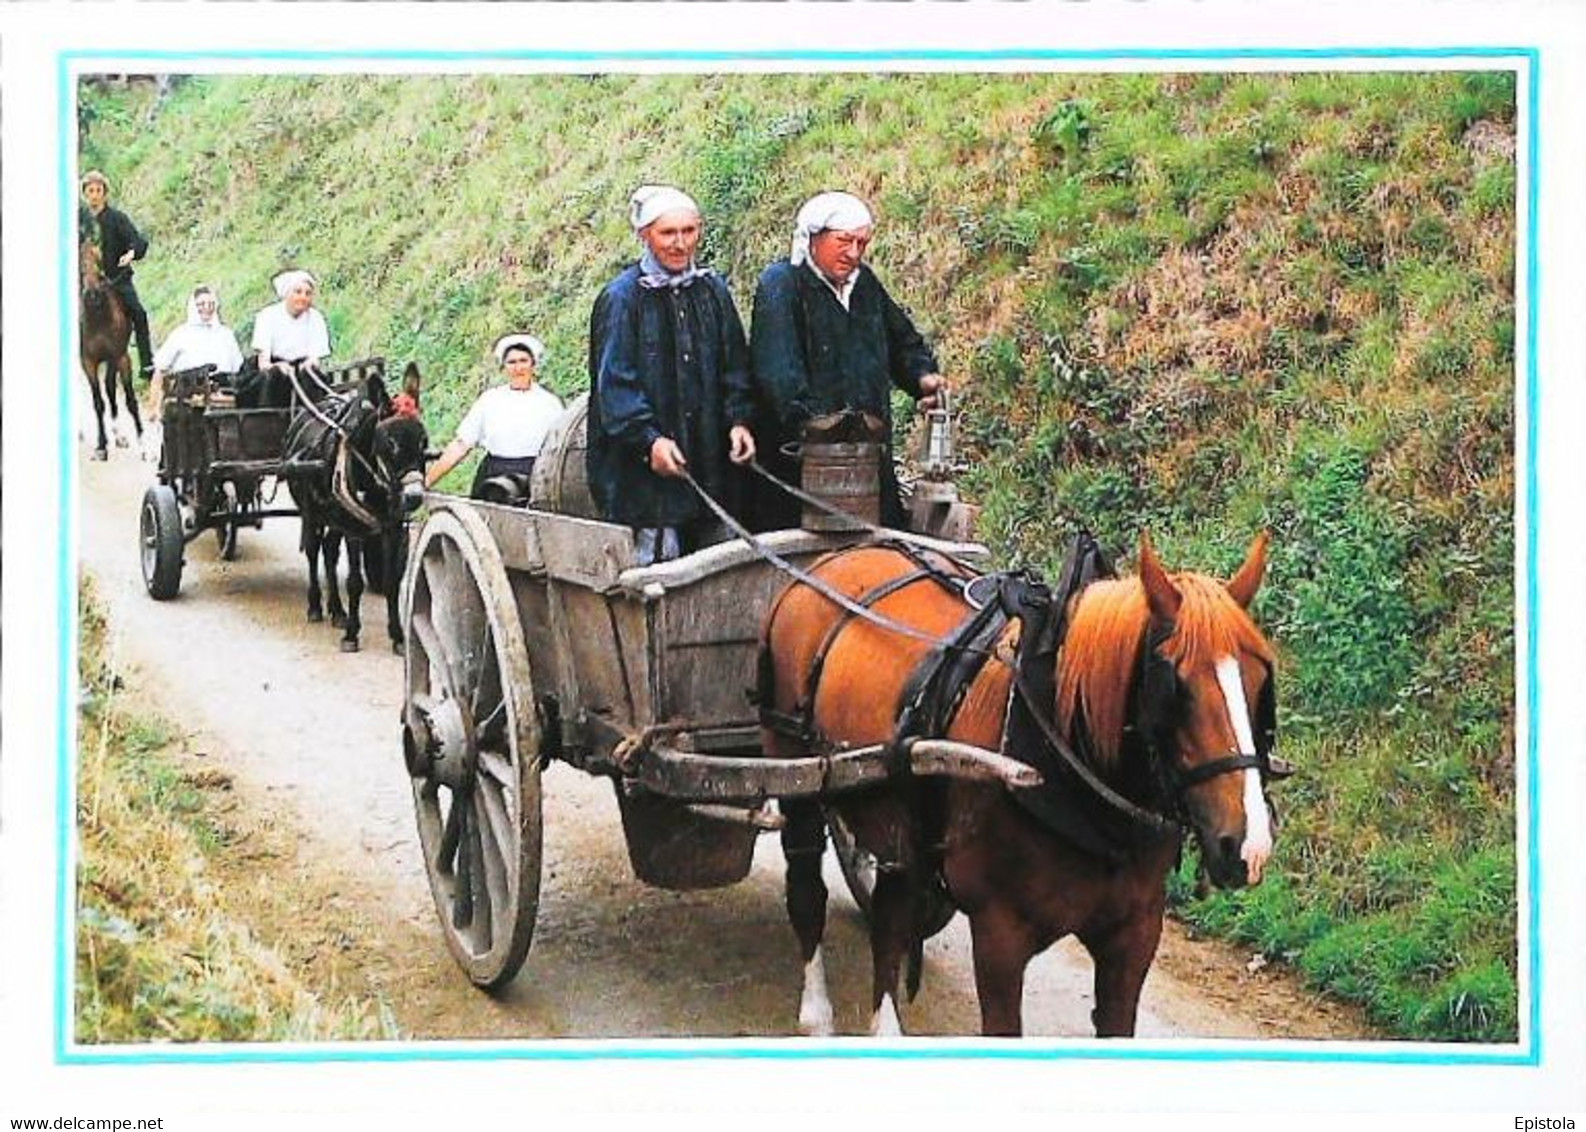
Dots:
(375, 392)
(1160, 592)
(412, 380)
(1243, 585)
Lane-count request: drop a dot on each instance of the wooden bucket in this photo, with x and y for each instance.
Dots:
(671, 846)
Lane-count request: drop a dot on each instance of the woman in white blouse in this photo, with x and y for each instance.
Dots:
(202, 340)
(508, 421)
(288, 334)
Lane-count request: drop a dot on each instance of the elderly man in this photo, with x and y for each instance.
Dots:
(120, 244)
(669, 386)
(825, 336)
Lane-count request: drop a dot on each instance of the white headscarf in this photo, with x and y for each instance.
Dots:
(649, 202)
(284, 282)
(528, 341)
(842, 211)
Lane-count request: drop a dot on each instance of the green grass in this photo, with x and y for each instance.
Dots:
(1194, 304)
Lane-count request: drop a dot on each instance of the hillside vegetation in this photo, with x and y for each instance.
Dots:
(1200, 304)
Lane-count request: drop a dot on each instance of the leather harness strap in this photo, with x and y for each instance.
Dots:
(925, 569)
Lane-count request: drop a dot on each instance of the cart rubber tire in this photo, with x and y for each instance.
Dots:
(471, 742)
(859, 872)
(160, 542)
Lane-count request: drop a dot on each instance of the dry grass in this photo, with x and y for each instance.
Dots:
(160, 957)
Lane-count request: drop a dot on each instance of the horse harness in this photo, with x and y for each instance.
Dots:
(1073, 802)
(327, 429)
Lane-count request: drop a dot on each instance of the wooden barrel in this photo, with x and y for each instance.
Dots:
(846, 476)
(561, 478)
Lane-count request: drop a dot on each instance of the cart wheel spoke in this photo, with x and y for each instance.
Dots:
(496, 768)
(478, 877)
(492, 728)
(463, 891)
(495, 844)
(435, 651)
(451, 836)
(487, 704)
(443, 587)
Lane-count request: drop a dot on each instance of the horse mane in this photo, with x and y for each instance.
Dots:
(1107, 633)
(89, 268)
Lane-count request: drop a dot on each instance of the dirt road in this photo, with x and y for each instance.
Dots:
(305, 739)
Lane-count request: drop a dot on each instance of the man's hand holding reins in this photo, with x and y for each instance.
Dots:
(742, 444)
(666, 458)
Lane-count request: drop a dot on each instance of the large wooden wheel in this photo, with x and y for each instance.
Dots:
(471, 740)
(859, 872)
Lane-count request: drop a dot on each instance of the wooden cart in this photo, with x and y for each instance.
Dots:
(214, 459)
(532, 636)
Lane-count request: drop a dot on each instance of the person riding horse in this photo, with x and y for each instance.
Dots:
(120, 245)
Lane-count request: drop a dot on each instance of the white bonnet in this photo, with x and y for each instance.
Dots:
(528, 341)
(285, 281)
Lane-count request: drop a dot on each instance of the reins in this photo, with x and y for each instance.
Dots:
(819, 585)
(960, 644)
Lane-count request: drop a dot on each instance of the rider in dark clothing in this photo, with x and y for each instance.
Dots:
(120, 244)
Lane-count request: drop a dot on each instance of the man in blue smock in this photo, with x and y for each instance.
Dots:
(669, 386)
(825, 336)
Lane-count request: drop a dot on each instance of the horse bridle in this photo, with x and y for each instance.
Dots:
(1159, 670)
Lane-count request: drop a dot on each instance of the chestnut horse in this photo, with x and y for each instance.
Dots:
(1158, 707)
(103, 330)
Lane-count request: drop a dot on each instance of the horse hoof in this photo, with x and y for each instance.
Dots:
(338, 619)
(315, 616)
(399, 648)
(101, 454)
(121, 442)
(349, 646)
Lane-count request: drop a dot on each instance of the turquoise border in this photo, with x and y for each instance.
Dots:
(1528, 60)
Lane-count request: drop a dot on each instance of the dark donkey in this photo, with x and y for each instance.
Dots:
(104, 330)
(366, 450)
(1155, 717)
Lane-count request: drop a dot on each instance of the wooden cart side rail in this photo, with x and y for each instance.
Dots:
(691, 568)
(585, 552)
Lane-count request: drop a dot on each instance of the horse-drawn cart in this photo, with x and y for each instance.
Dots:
(214, 459)
(532, 636)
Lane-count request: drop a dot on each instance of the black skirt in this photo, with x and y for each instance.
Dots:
(520, 468)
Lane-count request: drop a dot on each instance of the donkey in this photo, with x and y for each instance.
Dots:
(368, 450)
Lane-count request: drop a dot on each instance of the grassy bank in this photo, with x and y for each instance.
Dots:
(1199, 304)
(160, 955)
